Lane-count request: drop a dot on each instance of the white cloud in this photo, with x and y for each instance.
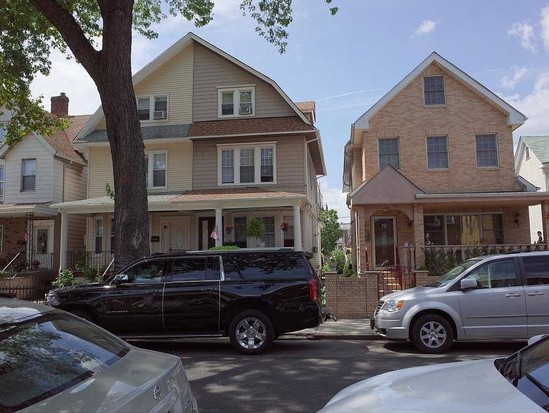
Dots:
(426, 27)
(335, 199)
(535, 106)
(525, 33)
(544, 23)
(509, 82)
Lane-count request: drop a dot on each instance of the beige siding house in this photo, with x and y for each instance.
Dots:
(224, 144)
(431, 166)
(34, 174)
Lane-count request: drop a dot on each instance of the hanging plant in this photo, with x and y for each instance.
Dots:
(284, 226)
(255, 228)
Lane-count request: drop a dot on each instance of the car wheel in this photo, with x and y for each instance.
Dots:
(432, 334)
(251, 332)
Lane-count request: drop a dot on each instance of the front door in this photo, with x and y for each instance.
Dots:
(42, 249)
(205, 229)
(176, 235)
(384, 241)
(497, 308)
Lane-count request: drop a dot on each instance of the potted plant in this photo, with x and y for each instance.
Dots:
(35, 264)
(255, 228)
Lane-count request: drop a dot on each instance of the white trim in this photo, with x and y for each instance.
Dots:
(514, 117)
(150, 169)
(152, 102)
(236, 91)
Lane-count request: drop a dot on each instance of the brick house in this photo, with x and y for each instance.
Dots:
(223, 144)
(431, 165)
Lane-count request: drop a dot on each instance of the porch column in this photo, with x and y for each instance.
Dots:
(297, 229)
(419, 238)
(219, 227)
(545, 221)
(63, 242)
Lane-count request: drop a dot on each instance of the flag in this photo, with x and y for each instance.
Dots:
(214, 234)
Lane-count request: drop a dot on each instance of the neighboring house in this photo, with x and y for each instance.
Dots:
(532, 164)
(431, 164)
(223, 144)
(34, 173)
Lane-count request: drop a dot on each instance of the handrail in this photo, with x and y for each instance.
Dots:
(107, 269)
(12, 260)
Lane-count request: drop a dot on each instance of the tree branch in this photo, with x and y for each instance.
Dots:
(72, 33)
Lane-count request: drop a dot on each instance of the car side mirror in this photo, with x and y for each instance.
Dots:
(121, 279)
(468, 284)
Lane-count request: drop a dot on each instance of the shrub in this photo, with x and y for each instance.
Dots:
(255, 228)
(91, 274)
(439, 262)
(64, 279)
(226, 247)
(338, 257)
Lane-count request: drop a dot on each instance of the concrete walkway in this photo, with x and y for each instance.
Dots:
(340, 329)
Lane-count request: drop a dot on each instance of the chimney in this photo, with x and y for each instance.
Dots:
(60, 105)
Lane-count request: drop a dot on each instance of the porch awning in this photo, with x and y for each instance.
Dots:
(20, 210)
(223, 198)
(507, 198)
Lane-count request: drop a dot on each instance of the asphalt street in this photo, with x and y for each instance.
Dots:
(300, 374)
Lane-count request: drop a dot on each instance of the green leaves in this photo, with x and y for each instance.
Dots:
(331, 232)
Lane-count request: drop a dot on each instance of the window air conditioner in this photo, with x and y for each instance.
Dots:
(245, 110)
(159, 114)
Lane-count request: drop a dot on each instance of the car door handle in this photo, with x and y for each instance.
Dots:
(512, 295)
(535, 293)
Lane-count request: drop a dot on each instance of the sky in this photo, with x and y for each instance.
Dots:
(347, 62)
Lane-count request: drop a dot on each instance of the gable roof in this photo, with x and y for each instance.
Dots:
(182, 43)
(376, 190)
(539, 145)
(514, 117)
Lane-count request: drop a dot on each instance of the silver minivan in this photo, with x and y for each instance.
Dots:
(494, 297)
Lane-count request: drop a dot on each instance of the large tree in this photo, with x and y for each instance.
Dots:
(98, 33)
(330, 233)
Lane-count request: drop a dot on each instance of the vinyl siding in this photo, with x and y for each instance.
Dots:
(100, 171)
(70, 182)
(289, 162)
(76, 233)
(212, 71)
(29, 148)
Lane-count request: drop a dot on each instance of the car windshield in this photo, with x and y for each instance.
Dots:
(532, 363)
(448, 277)
(42, 356)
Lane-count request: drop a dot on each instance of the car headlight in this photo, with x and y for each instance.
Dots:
(393, 305)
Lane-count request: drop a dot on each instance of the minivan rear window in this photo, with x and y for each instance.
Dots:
(536, 269)
(261, 265)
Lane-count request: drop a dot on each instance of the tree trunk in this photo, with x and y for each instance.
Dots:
(115, 86)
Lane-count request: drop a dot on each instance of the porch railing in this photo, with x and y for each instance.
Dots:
(80, 260)
(20, 261)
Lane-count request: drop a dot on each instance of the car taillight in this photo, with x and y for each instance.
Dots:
(313, 290)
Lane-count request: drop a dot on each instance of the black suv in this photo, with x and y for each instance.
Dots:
(252, 296)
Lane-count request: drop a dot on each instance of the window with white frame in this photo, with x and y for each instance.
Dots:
(2, 178)
(28, 174)
(152, 107)
(156, 166)
(433, 90)
(437, 152)
(236, 102)
(388, 153)
(487, 152)
(247, 164)
(98, 235)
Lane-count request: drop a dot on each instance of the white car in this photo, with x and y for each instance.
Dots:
(52, 361)
(518, 383)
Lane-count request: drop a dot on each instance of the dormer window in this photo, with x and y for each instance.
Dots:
(433, 90)
(236, 102)
(152, 107)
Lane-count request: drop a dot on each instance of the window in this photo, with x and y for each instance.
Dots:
(437, 152)
(236, 102)
(188, 269)
(146, 272)
(472, 229)
(268, 266)
(2, 181)
(156, 169)
(28, 175)
(3, 132)
(269, 232)
(98, 232)
(496, 274)
(152, 107)
(433, 90)
(388, 153)
(536, 269)
(487, 154)
(250, 164)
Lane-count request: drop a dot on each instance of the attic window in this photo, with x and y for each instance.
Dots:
(236, 102)
(152, 107)
(433, 90)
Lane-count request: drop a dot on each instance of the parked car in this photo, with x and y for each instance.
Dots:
(518, 383)
(251, 296)
(52, 361)
(485, 298)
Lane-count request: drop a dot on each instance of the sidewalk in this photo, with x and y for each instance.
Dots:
(341, 329)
